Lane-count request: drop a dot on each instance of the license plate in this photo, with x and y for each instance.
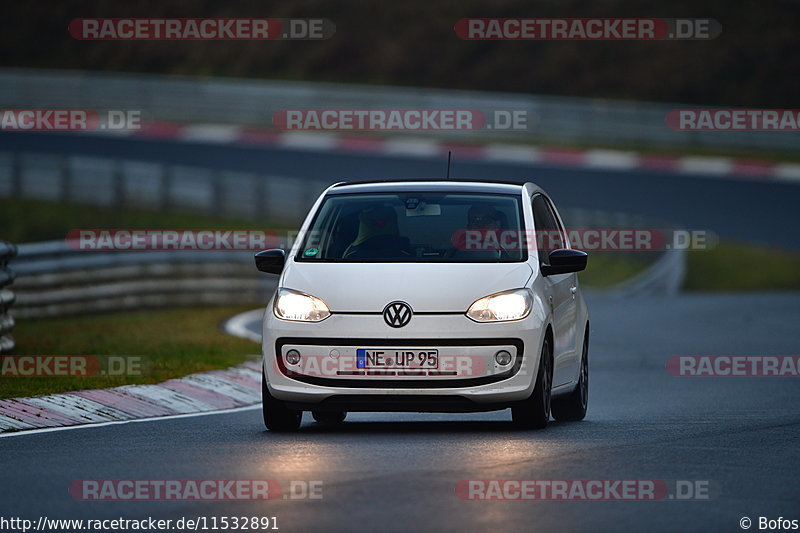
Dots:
(388, 358)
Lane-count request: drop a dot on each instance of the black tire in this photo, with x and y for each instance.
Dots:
(329, 417)
(572, 407)
(534, 412)
(278, 417)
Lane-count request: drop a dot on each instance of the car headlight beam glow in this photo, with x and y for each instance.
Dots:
(298, 306)
(502, 306)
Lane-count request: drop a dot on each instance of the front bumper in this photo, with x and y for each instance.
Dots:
(467, 378)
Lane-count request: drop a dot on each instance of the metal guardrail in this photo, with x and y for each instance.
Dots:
(253, 102)
(56, 280)
(151, 185)
(7, 296)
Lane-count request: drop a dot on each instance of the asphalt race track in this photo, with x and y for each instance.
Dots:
(397, 472)
(742, 210)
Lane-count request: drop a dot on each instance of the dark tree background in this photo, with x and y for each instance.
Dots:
(755, 62)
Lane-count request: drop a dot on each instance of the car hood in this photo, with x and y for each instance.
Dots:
(426, 287)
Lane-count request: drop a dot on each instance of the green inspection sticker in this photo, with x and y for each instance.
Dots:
(311, 252)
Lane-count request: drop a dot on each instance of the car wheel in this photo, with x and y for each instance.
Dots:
(534, 412)
(572, 407)
(328, 417)
(278, 417)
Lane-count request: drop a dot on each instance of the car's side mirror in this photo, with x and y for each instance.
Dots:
(271, 261)
(564, 261)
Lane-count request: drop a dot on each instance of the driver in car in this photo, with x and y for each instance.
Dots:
(483, 234)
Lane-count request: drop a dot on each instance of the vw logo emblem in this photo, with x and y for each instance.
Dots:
(397, 314)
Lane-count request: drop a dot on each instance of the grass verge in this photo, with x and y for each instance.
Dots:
(728, 266)
(172, 343)
(24, 220)
(606, 269)
(741, 267)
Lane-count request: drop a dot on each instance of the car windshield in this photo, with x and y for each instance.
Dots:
(416, 227)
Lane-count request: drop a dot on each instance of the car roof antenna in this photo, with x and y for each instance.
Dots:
(448, 164)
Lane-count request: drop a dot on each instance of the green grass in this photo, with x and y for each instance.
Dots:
(726, 267)
(172, 343)
(742, 267)
(24, 220)
(605, 269)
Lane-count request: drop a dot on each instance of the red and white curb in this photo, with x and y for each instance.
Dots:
(217, 390)
(412, 146)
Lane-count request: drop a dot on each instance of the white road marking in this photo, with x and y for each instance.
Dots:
(152, 419)
(411, 147)
(308, 141)
(237, 325)
(511, 152)
(611, 159)
(787, 172)
(720, 166)
(213, 133)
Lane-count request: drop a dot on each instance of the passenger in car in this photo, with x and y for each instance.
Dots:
(378, 236)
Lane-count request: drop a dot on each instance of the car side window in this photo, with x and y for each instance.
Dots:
(563, 238)
(548, 233)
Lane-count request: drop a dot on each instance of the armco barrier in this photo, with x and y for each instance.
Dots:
(56, 280)
(150, 185)
(553, 119)
(7, 297)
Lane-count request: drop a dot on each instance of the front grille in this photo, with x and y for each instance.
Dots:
(397, 383)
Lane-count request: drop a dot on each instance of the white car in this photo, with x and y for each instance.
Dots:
(426, 296)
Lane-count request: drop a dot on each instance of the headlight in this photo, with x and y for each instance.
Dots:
(502, 306)
(294, 305)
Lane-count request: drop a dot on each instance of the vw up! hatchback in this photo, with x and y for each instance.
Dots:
(426, 296)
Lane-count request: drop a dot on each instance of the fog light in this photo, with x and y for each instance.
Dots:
(502, 357)
(292, 357)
